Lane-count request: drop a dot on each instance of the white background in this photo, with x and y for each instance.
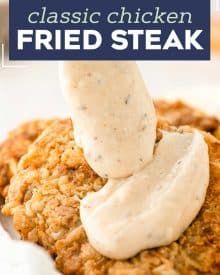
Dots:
(34, 92)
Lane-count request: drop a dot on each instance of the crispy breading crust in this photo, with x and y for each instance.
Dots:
(18, 141)
(15, 146)
(178, 113)
(44, 201)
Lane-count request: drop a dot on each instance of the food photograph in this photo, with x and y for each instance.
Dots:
(107, 165)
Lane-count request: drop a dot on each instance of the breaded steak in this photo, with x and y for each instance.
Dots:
(44, 200)
(178, 113)
(15, 146)
(18, 141)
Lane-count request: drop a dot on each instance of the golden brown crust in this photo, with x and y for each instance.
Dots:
(15, 146)
(178, 113)
(18, 141)
(44, 201)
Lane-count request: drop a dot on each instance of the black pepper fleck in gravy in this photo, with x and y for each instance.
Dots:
(82, 108)
(127, 99)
